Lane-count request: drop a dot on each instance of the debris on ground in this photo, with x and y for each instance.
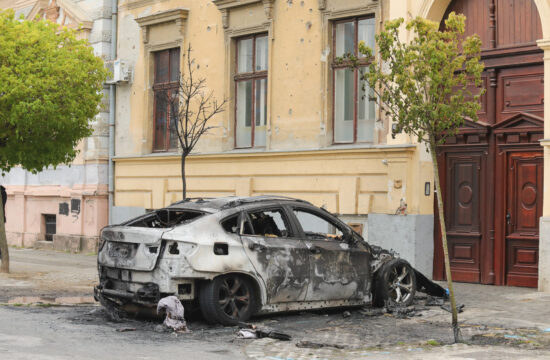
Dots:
(114, 313)
(125, 329)
(274, 334)
(249, 331)
(427, 286)
(434, 301)
(346, 314)
(372, 311)
(174, 313)
(403, 312)
(447, 307)
(315, 345)
(247, 334)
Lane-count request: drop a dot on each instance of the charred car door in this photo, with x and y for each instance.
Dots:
(339, 263)
(280, 258)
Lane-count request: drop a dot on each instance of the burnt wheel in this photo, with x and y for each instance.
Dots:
(228, 299)
(395, 284)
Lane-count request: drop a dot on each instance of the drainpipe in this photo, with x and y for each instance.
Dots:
(112, 108)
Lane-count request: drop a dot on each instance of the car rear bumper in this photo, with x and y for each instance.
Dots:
(147, 294)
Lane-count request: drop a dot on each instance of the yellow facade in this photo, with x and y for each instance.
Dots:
(350, 181)
(299, 158)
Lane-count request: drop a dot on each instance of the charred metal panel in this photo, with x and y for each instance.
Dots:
(129, 248)
(205, 232)
(283, 265)
(338, 271)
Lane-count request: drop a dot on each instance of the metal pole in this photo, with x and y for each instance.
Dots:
(112, 108)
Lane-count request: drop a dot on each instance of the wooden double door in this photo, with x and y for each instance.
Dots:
(493, 202)
(492, 170)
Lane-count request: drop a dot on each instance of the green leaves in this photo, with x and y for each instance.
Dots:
(430, 84)
(50, 88)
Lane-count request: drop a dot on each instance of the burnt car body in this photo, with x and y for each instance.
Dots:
(240, 256)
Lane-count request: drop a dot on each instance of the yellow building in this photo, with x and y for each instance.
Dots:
(298, 124)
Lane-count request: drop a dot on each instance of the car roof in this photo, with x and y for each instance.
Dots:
(228, 202)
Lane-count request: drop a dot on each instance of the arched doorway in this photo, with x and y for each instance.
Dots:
(491, 172)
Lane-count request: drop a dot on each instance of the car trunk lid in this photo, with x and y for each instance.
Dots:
(133, 248)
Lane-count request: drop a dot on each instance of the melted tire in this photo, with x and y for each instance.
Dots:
(393, 280)
(228, 300)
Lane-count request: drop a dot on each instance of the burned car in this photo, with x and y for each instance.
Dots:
(239, 256)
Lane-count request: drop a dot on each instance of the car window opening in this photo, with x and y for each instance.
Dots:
(269, 223)
(318, 228)
(231, 225)
(165, 218)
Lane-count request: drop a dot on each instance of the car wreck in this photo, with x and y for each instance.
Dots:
(239, 256)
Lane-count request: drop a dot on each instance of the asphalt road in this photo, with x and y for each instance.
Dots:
(498, 323)
(65, 334)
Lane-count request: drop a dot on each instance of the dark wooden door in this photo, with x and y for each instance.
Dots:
(523, 210)
(462, 208)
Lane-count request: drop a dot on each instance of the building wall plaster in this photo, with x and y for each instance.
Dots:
(299, 113)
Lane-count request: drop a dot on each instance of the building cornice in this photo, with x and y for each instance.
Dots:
(225, 6)
(178, 15)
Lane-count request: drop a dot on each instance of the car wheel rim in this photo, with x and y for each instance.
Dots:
(400, 284)
(234, 297)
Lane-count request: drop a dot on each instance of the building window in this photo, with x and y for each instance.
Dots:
(354, 108)
(251, 91)
(49, 226)
(166, 80)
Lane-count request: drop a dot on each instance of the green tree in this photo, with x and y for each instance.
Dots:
(50, 87)
(425, 87)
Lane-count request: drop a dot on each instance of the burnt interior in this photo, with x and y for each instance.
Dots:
(165, 218)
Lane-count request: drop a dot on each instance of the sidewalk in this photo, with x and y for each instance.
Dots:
(49, 274)
(500, 306)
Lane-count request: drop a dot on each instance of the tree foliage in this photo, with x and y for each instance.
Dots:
(428, 86)
(50, 87)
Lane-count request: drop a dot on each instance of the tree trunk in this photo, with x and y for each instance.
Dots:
(183, 181)
(456, 329)
(5, 266)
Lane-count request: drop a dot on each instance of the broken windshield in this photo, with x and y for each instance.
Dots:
(165, 218)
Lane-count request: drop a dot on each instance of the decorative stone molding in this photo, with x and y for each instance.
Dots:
(178, 15)
(268, 8)
(229, 4)
(322, 4)
(74, 17)
(52, 11)
(248, 30)
(372, 8)
(134, 4)
(544, 44)
(225, 7)
(225, 18)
